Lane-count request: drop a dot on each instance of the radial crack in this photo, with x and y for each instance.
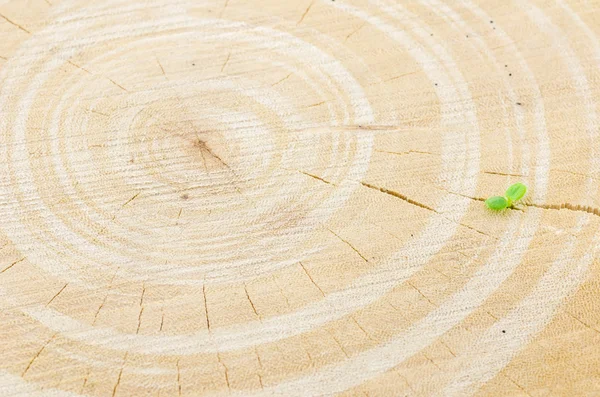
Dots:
(421, 293)
(117, 84)
(161, 67)
(317, 104)
(317, 178)
(131, 199)
(178, 378)
(354, 31)
(37, 355)
(501, 173)
(349, 245)
(251, 303)
(566, 206)
(406, 152)
(226, 371)
(311, 279)
(79, 67)
(12, 264)
(206, 307)
(338, 343)
(305, 12)
(58, 293)
(401, 75)
(119, 377)
(282, 80)
(398, 195)
(226, 61)
(15, 24)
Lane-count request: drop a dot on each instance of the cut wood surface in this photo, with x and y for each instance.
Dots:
(273, 197)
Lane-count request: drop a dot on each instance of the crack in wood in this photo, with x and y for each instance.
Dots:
(349, 245)
(120, 375)
(305, 12)
(565, 206)
(226, 62)
(37, 355)
(206, 307)
(131, 199)
(501, 173)
(12, 264)
(311, 279)
(398, 195)
(55, 295)
(251, 303)
(354, 31)
(317, 178)
(226, 370)
(15, 24)
(282, 80)
(406, 152)
(178, 378)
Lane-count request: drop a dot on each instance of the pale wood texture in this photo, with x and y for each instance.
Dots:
(272, 197)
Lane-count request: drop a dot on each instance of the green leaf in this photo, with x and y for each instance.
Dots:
(516, 192)
(496, 203)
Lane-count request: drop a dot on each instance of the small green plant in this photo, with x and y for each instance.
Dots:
(496, 203)
(513, 193)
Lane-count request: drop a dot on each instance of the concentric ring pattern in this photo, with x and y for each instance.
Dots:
(234, 197)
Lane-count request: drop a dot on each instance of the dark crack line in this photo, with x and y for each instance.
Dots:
(161, 67)
(131, 199)
(178, 378)
(80, 67)
(354, 31)
(317, 104)
(566, 206)
(282, 80)
(15, 24)
(37, 355)
(501, 173)
(311, 279)
(226, 62)
(407, 152)
(117, 84)
(58, 293)
(251, 303)
(206, 307)
(120, 375)
(12, 264)
(317, 178)
(348, 244)
(305, 13)
(400, 76)
(421, 205)
(398, 195)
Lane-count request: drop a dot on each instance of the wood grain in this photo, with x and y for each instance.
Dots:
(265, 197)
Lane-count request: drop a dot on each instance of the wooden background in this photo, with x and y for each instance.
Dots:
(273, 197)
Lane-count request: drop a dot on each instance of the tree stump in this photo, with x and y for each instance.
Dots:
(265, 197)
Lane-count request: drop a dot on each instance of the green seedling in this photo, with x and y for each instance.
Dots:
(496, 203)
(515, 192)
